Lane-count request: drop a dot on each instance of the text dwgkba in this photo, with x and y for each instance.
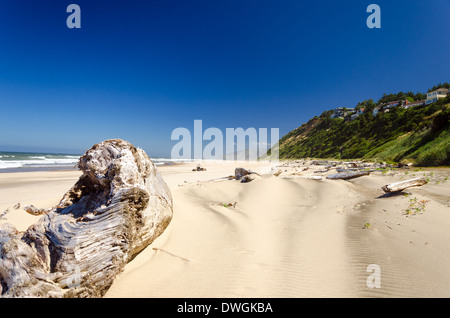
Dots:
(246, 307)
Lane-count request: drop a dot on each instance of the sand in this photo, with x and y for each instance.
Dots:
(286, 236)
(41, 189)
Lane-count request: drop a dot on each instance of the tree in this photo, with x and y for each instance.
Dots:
(419, 96)
(440, 85)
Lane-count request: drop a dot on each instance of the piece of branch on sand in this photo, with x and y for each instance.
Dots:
(199, 168)
(31, 209)
(3, 214)
(347, 175)
(245, 175)
(399, 186)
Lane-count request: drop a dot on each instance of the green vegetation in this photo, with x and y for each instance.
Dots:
(440, 85)
(424, 148)
(228, 205)
(416, 206)
(420, 135)
(367, 226)
(402, 96)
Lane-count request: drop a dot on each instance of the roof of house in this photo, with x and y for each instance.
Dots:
(442, 89)
(418, 102)
(343, 109)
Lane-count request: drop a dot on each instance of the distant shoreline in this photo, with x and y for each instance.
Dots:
(11, 162)
(38, 169)
(63, 168)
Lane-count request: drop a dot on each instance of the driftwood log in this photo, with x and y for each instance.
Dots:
(250, 177)
(399, 186)
(346, 169)
(31, 209)
(240, 172)
(313, 177)
(348, 175)
(118, 206)
(199, 168)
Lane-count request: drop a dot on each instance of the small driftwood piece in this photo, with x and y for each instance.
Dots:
(199, 168)
(31, 209)
(276, 174)
(352, 165)
(313, 177)
(118, 206)
(348, 175)
(399, 186)
(245, 175)
(241, 172)
(250, 177)
(346, 169)
(3, 217)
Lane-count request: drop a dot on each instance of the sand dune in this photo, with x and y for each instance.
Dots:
(286, 236)
(294, 237)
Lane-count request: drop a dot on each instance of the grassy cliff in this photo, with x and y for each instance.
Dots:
(420, 135)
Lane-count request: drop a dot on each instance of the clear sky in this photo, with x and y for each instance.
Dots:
(137, 70)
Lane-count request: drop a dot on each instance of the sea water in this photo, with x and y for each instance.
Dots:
(28, 161)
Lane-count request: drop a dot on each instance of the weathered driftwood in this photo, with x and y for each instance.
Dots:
(119, 205)
(250, 177)
(276, 174)
(346, 169)
(240, 172)
(348, 175)
(319, 163)
(31, 209)
(199, 168)
(313, 177)
(399, 186)
(3, 217)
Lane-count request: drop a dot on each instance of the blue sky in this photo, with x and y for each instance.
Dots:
(137, 70)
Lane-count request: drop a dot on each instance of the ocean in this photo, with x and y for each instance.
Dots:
(27, 161)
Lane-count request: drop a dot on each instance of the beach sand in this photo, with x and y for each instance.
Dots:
(286, 236)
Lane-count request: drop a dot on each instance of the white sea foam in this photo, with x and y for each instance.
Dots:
(9, 161)
(38, 162)
(163, 161)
